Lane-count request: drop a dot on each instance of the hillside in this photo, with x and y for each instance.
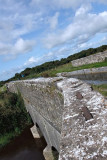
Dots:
(57, 66)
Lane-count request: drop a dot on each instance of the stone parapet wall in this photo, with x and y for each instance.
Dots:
(98, 57)
(44, 102)
(43, 96)
(71, 116)
(87, 74)
(84, 133)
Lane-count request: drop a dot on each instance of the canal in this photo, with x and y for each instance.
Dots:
(24, 147)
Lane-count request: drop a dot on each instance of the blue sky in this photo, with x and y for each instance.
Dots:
(35, 31)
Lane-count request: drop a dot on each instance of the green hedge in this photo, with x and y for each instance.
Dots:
(13, 116)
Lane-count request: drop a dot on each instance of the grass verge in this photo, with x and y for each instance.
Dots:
(6, 138)
(101, 88)
(3, 89)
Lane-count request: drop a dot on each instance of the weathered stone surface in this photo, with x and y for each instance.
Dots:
(45, 103)
(81, 139)
(79, 95)
(86, 113)
(99, 57)
(54, 105)
(47, 152)
(35, 132)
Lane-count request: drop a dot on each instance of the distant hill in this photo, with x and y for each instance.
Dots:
(53, 64)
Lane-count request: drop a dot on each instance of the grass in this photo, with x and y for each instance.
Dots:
(65, 68)
(13, 116)
(101, 88)
(3, 89)
(6, 138)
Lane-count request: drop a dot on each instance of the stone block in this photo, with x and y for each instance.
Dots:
(47, 152)
(35, 132)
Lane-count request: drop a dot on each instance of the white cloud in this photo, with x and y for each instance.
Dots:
(103, 1)
(104, 40)
(67, 3)
(84, 25)
(18, 25)
(52, 55)
(16, 21)
(54, 21)
(23, 46)
(63, 4)
(92, 44)
(31, 61)
(5, 48)
(60, 4)
(12, 50)
(23, 19)
(82, 10)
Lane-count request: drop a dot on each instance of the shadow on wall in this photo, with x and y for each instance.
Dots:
(55, 153)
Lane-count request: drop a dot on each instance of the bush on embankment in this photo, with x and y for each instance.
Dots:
(13, 116)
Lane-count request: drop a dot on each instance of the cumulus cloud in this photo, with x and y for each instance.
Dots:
(82, 10)
(31, 61)
(53, 21)
(16, 21)
(18, 25)
(21, 46)
(84, 26)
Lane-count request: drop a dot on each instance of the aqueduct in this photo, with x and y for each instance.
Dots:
(71, 116)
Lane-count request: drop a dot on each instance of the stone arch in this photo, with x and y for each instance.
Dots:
(55, 152)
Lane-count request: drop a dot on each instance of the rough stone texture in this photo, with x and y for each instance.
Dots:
(35, 132)
(98, 57)
(87, 74)
(44, 102)
(81, 139)
(56, 105)
(47, 152)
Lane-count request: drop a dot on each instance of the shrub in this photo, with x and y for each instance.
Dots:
(13, 115)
